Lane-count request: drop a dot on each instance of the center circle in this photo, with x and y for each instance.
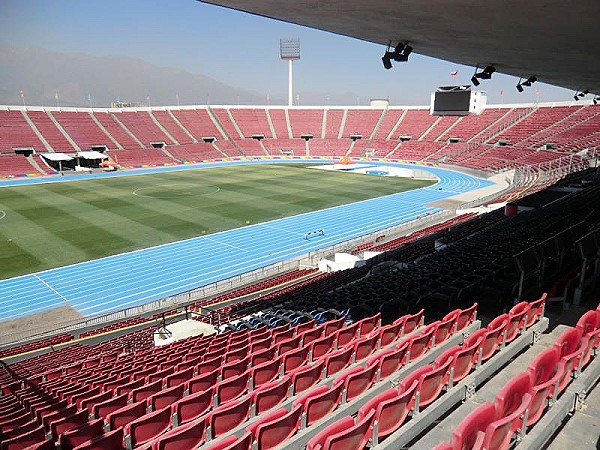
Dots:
(176, 190)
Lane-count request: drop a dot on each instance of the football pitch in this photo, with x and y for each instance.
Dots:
(50, 225)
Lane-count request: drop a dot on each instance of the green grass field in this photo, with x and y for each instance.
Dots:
(52, 225)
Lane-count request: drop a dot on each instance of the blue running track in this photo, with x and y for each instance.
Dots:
(130, 279)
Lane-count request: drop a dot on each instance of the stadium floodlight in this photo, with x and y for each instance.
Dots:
(520, 87)
(289, 50)
(402, 51)
(586, 92)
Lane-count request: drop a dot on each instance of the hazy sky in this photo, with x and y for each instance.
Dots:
(239, 49)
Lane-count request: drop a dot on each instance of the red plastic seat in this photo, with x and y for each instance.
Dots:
(306, 376)
(391, 360)
(112, 440)
(499, 432)
(365, 346)
(192, 406)
(319, 402)
(145, 391)
(544, 372)
(165, 398)
(232, 388)
(148, 427)
(263, 355)
(270, 395)
(420, 344)
(24, 440)
(302, 327)
(77, 436)
(368, 324)
(209, 365)
(179, 377)
(67, 423)
(202, 382)
(344, 434)
(288, 344)
(589, 321)
(126, 414)
(295, 358)
(516, 323)
(391, 410)
(412, 322)
(233, 443)
(261, 344)
(444, 330)
(430, 382)
(89, 402)
(336, 361)
(228, 416)
(536, 310)
(275, 428)
(103, 409)
(332, 326)
(347, 334)
(570, 345)
(463, 317)
(470, 432)
(322, 346)
(310, 335)
(265, 372)
(357, 381)
(389, 333)
(186, 436)
(463, 359)
(235, 368)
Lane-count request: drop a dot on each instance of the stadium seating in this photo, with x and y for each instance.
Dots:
(16, 132)
(82, 129)
(57, 141)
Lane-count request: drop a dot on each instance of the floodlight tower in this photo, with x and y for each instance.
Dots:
(289, 49)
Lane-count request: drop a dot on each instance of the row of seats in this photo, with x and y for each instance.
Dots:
(524, 399)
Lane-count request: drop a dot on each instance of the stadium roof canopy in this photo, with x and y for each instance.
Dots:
(556, 41)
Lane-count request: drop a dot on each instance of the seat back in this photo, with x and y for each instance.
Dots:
(320, 402)
(322, 346)
(269, 434)
(228, 416)
(111, 439)
(344, 434)
(265, 372)
(270, 395)
(536, 310)
(166, 397)
(337, 360)
(232, 388)
(420, 344)
(347, 334)
(368, 324)
(148, 427)
(470, 431)
(126, 414)
(77, 436)
(358, 380)
(190, 435)
(192, 406)
(414, 321)
(389, 333)
(306, 376)
(295, 358)
(202, 382)
(103, 409)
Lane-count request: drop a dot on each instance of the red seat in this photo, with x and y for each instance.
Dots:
(148, 427)
(179, 377)
(420, 344)
(310, 335)
(261, 344)
(48, 417)
(462, 361)
(202, 382)
(165, 398)
(112, 440)
(390, 360)
(322, 346)
(319, 402)
(275, 428)
(228, 416)
(67, 423)
(233, 443)
(347, 334)
(265, 372)
(126, 414)
(24, 440)
(235, 368)
(336, 361)
(589, 321)
(306, 376)
(90, 402)
(209, 365)
(191, 406)
(344, 434)
(103, 409)
(77, 436)
(389, 333)
(263, 355)
(430, 382)
(368, 324)
(444, 329)
(570, 346)
(186, 436)
(536, 310)
(463, 317)
(391, 410)
(470, 432)
(295, 358)
(516, 323)
(515, 395)
(499, 432)
(145, 391)
(270, 395)
(412, 322)
(128, 387)
(357, 381)
(288, 344)
(333, 325)
(232, 388)
(544, 372)
(365, 346)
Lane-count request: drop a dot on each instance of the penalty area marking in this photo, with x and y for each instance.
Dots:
(2, 214)
(180, 190)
